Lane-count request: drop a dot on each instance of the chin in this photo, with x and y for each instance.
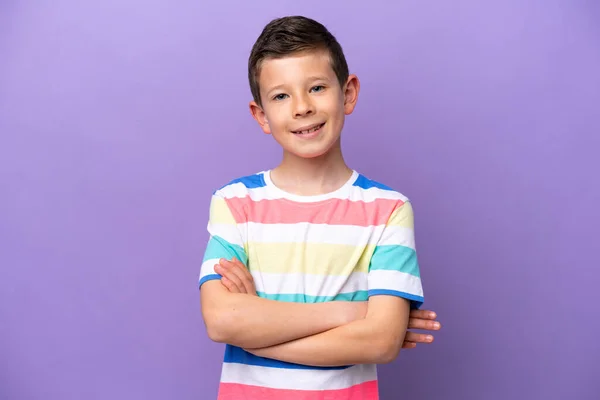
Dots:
(310, 156)
(311, 153)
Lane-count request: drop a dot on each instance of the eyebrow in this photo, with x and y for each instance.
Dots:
(318, 78)
(274, 88)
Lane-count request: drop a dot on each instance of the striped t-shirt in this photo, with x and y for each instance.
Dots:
(350, 244)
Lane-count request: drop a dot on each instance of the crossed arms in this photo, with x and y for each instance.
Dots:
(323, 334)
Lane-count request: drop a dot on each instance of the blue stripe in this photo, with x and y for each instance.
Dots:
(218, 247)
(365, 183)
(416, 301)
(395, 258)
(209, 278)
(360, 295)
(234, 354)
(250, 181)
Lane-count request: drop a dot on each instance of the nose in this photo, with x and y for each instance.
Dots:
(303, 106)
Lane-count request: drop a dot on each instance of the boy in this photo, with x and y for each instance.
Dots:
(310, 273)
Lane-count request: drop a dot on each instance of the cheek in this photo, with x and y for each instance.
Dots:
(273, 116)
(333, 106)
(276, 122)
(335, 115)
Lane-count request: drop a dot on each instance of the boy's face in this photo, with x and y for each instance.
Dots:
(303, 105)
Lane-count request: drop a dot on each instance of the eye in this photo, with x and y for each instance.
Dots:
(318, 88)
(280, 96)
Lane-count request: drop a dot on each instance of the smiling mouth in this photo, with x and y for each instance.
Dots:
(310, 130)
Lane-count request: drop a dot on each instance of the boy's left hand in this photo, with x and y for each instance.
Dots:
(424, 320)
(235, 276)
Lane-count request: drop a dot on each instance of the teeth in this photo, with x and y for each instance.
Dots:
(310, 130)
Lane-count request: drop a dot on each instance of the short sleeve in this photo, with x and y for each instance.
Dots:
(394, 268)
(225, 239)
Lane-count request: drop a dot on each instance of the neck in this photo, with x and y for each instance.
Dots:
(312, 176)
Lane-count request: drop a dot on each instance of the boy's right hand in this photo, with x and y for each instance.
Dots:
(235, 276)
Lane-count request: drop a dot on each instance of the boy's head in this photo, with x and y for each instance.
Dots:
(299, 80)
(286, 36)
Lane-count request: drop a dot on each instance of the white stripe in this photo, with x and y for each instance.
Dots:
(208, 267)
(305, 232)
(395, 280)
(398, 235)
(310, 285)
(297, 379)
(234, 234)
(356, 194)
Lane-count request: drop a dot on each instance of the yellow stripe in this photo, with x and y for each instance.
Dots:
(402, 216)
(309, 258)
(220, 212)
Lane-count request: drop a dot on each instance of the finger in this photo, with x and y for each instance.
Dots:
(229, 285)
(236, 287)
(423, 314)
(244, 269)
(418, 337)
(409, 345)
(242, 274)
(415, 323)
(229, 273)
(225, 272)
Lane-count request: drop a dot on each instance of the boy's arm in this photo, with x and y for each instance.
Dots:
(394, 286)
(376, 339)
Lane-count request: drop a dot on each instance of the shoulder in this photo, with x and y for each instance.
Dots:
(241, 186)
(373, 190)
(388, 202)
(230, 201)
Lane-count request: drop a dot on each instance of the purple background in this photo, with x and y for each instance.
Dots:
(119, 118)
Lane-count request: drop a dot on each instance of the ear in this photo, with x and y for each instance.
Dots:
(351, 89)
(259, 115)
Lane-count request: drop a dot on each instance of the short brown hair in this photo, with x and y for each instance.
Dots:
(287, 35)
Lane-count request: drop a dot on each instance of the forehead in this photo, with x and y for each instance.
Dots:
(295, 68)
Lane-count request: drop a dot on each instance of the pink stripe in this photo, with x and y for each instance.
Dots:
(333, 212)
(236, 391)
